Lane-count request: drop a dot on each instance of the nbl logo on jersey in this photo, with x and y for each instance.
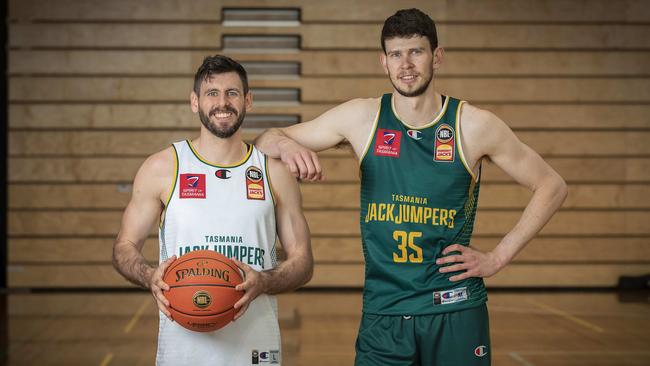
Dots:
(445, 146)
(387, 143)
(254, 183)
(192, 186)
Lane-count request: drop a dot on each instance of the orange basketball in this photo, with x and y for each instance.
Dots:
(202, 290)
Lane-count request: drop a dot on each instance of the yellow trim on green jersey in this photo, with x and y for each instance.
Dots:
(171, 193)
(442, 112)
(372, 134)
(268, 177)
(458, 142)
(249, 150)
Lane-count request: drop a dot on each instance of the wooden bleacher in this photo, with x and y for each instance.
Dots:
(97, 86)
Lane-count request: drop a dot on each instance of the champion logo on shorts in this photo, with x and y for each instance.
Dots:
(480, 351)
(271, 357)
(192, 186)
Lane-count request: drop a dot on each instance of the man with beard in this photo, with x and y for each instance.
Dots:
(215, 193)
(420, 156)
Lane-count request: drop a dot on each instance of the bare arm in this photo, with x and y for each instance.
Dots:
(293, 232)
(140, 216)
(489, 136)
(295, 145)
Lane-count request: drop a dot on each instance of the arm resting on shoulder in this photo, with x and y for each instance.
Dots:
(296, 145)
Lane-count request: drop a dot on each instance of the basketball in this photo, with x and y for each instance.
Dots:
(202, 290)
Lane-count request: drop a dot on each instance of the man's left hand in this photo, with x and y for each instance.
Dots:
(474, 262)
(253, 286)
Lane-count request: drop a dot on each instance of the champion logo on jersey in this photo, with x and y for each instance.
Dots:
(222, 174)
(480, 351)
(414, 134)
(387, 143)
(444, 150)
(192, 186)
(254, 183)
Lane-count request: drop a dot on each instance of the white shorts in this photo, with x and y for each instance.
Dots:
(253, 339)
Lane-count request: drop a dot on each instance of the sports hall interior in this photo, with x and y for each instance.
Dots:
(96, 86)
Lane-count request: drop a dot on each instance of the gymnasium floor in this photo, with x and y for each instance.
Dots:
(319, 328)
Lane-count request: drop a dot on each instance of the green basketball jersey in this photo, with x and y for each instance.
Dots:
(417, 197)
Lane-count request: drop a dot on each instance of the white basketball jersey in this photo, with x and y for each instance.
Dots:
(228, 209)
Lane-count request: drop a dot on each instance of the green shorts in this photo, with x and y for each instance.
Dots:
(446, 339)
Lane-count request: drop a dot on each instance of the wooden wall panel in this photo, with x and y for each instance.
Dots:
(123, 169)
(344, 249)
(148, 89)
(326, 36)
(110, 116)
(329, 63)
(341, 275)
(330, 196)
(144, 143)
(97, 86)
(531, 11)
(341, 222)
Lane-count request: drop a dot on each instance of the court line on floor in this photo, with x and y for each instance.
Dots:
(568, 316)
(107, 359)
(517, 357)
(527, 310)
(129, 326)
(576, 353)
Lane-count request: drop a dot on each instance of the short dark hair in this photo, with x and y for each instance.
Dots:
(407, 23)
(219, 64)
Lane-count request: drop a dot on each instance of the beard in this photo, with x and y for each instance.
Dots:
(417, 92)
(223, 133)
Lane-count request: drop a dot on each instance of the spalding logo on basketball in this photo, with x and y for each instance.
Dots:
(202, 290)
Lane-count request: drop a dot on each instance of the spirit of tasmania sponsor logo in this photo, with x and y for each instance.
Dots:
(192, 186)
(387, 143)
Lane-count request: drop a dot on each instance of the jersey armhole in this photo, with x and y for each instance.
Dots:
(459, 142)
(268, 178)
(171, 193)
(372, 133)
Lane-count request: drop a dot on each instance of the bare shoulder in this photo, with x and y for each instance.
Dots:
(160, 164)
(484, 133)
(363, 108)
(481, 126)
(355, 119)
(156, 174)
(355, 110)
(475, 118)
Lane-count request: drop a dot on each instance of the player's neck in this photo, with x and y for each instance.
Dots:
(220, 151)
(420, 110)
